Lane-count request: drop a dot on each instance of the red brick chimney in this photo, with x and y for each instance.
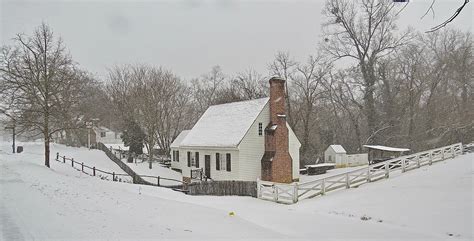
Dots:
(277, 162)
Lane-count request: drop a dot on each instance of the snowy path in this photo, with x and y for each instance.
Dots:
(63, 204)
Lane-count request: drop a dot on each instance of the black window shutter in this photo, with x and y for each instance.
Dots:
(174, 156)
(177, 156)
(228, 162)
(197, 159)
(218, 162)
(189, 159)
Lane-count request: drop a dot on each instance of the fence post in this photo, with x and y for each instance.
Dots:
(403, 165)
(64, 159)
(452, 151)
(82, 166)
(442, 154)
(57, 156)
(113, 176)
(259, 189)
(295, 193)
(323, 187)
(275, 193)
(387, 170)
(368, 174)
(418, 161)
(158, 180)
(348, 184)
(431, 158)
(72, 162)
(93, 171)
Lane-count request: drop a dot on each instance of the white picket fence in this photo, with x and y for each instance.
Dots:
(291, 193)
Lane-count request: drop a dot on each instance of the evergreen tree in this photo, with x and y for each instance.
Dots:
(133, 137)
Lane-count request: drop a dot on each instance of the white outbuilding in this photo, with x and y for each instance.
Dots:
(334, 154)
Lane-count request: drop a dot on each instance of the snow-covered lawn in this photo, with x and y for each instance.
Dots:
(431, 203)
(142, 168)
(331, 172)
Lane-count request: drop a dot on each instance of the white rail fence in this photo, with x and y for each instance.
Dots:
(291, 193)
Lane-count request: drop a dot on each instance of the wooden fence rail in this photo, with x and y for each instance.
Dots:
(291, 193)
(120, 177)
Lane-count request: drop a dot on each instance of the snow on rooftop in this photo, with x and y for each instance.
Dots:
(224, 125)
(338, 148)
(386, 148)
(177, 141)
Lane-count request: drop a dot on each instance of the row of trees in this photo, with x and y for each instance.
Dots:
(368, 83)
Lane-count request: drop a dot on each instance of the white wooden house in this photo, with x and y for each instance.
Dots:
(105, 135)
(337, 154)
(334, 154)
(243, 140)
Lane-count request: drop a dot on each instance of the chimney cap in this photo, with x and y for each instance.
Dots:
(277, 79)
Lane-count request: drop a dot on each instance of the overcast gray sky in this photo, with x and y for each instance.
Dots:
(191, 36)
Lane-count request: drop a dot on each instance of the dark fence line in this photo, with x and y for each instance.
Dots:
(223, 188)
(93, 171)
(136, 178)
(215, 188)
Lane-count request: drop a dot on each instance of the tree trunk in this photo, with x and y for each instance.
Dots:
(46, 149)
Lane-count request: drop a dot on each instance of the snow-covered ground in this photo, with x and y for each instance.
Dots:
(37, 203)
(331, 172)
(142, 168)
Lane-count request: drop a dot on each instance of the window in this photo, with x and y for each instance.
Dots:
(196, 155)
(103, 134)
(260, 128)
(228, 162)
(218, 161)
(223, 167)
(189, 158)
(176, 156)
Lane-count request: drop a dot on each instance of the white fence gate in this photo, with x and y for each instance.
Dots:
(291, 193)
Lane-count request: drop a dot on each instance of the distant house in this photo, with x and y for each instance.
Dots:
(334, 154)
(105, 135)
(243, 140)
(337, 154)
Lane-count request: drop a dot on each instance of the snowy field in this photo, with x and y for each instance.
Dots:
(157, 170)
(37, 203)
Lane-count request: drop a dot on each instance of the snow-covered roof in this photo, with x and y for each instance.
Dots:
(386, 148)
(321, 165)
(224, 125)
(179, 139)
(338, 149)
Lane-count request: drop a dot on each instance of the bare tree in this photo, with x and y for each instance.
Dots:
(154, 98)
(250, 84)
(364, 31)
(284, 66)
(40, 82)
(308, 88)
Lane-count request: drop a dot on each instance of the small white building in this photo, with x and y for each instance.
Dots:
(337, 154)
(334, 154)
(105, 135)
(243, 141)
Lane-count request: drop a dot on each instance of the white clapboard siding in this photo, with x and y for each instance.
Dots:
(252, 148)
(294, 147)
(218, 175)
